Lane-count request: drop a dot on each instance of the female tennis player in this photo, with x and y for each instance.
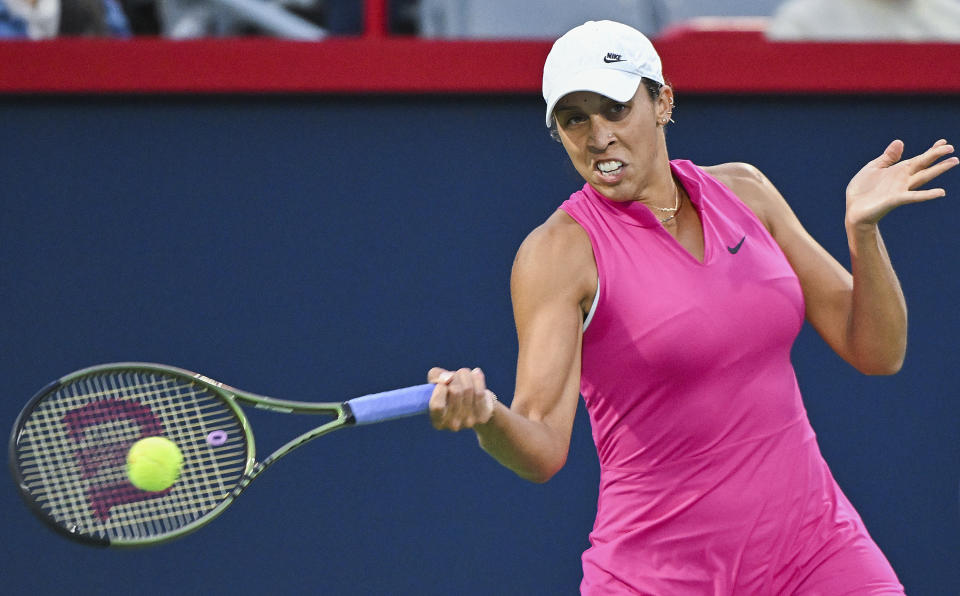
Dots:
(669, 296)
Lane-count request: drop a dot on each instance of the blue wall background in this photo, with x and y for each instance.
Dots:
(320, 248)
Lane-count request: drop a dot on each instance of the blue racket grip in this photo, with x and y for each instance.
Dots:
(398, 403)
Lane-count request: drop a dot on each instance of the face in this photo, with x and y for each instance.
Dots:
(616, 147)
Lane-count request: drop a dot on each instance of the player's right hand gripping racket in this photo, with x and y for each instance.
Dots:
(68, 447)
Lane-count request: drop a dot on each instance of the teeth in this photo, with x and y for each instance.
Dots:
(608, 166)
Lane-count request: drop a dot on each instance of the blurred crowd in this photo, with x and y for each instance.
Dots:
(901, 20)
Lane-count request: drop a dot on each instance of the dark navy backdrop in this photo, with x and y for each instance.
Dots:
(319, 248)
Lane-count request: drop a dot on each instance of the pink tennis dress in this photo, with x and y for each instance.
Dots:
(711, 480)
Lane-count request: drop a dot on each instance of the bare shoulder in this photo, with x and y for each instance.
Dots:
(753, 188)
(560, 244)
(559, 236)
(556, 257)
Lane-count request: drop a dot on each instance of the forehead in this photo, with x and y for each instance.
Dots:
(581, 97)
(586, 99)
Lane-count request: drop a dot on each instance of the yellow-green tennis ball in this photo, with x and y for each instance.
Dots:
(153, 464)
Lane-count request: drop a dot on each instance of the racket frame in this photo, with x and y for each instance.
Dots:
(232, 397)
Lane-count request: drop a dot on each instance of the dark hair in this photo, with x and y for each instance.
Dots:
(653, 90)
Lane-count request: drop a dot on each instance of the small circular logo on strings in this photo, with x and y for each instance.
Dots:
(217, 438)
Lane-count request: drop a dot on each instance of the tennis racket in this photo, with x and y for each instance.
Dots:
(69, 445)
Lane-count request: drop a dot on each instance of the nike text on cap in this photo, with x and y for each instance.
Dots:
(605, 57)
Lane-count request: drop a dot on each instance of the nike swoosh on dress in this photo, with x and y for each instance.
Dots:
(733, 249)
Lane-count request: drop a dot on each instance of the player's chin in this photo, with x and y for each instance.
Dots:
(614, 191)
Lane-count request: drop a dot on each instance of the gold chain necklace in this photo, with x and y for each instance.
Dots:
(676, 205)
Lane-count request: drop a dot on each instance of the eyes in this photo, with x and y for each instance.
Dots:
(571, 116)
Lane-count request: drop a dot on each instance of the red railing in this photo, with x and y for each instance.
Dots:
(377, 62)
(375, 21)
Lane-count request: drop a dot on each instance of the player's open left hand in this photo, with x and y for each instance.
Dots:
(887, 182)
(460, 400)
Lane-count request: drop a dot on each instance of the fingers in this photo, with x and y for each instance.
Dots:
(921, 168)
(924, 176)
(885, 183)
(461, 390)
(460, 399)
(890, 155)
(918, 196)
(927, 166)
(487, 399)
(937, 151)
(438, 405)
(930, 164)
(479, 382)
(435, 374)
(894, 153)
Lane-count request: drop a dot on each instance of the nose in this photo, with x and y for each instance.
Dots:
(600, 136)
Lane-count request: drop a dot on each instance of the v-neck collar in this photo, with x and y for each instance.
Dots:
(636, 213)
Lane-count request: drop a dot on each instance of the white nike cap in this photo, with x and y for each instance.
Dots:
(605, 57)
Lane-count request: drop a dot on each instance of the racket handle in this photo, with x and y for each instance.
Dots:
(398, 403)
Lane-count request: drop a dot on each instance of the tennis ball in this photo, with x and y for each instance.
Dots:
(153, 464)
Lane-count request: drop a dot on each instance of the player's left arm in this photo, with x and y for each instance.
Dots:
(860, 313)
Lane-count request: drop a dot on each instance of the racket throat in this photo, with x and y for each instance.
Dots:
(247, 478)
(347, 416)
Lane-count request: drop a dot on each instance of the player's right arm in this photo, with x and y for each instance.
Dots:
(553, 282)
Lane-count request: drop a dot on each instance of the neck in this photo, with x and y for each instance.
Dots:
(661, 195)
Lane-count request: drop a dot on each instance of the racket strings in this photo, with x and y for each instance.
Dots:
(72, 453)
